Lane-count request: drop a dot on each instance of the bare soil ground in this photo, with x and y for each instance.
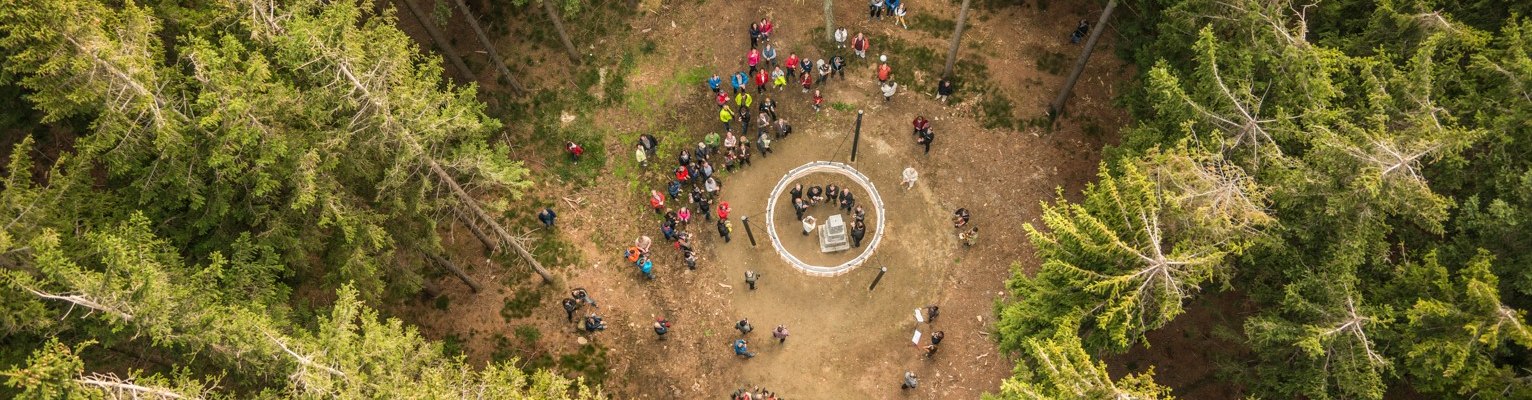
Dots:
(847, 342)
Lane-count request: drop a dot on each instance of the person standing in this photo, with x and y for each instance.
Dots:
(840, 38)
(858, 231)
(860, 45)
(778, 78)
(838, 65)
(909, 176)
(925, 138)
(899, 13)
(943, 90)
(764, 142)
(770, 54)
(742, 348)
(750, 278)
(970, 237)
(792, 64)
(819, 100)
(753, 59)
(909, 381)
(737, 81)
(744, 326)
(726, 116)
(780, 333)
(570, 306)
(1080, 31)
(547, 216)
(888, 89)
(723, 210)
(799, 207)
(579, 294)
(875, 10)
(824, 71)
(932, 311)
(593, 323)
(657, 201)
(884, 70)
(723, 229)
(715, 83)
(762, 78)
(661, 327)
(755, 34)
(641, 156)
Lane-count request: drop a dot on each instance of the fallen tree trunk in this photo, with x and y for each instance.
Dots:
(494, 56)
(473, 205)
(450, 267)
(490, 245)
(442, 44)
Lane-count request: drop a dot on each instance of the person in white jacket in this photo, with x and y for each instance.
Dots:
(840, 38)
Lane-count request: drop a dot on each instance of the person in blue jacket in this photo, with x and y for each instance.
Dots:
(714, 83)
(738, 81)
(647, 267)
(741, 348)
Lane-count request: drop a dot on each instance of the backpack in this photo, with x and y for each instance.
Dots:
(632, 254)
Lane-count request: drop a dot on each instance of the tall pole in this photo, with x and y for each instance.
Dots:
(829, 21)
(881, 271)
(957, 38)
(748, 233)
(856, 138)
(1090, 45)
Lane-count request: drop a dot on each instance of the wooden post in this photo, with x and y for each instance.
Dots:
(957, 39)
(494, 56)
(442, 44)
(856, 138)
(1090, 45)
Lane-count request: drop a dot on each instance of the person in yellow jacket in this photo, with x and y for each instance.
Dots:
(725, 115)
(743, 99)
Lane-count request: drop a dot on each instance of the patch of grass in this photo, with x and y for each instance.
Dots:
(503, 351)
(615, 91)
(590, 362)
(452, 346)
(1052, 62)
(934, 25)
(528, 334)
(521, 304)
(442, 302)
(647, 47)
(842, 106)
(996, 111)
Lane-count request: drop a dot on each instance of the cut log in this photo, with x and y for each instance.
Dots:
(494, 56)
(442, 44)
(450, 267)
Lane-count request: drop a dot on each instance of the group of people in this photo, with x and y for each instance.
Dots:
(835, 196)
(966, 234)
(742, 346)
(932, 311)
(756, 393)
(579, 298)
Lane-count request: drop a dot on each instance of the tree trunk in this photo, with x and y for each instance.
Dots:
(489, 245)
(450, 267)
(957, 39)
(1090, 45)
(442, 44)
(489, 47)
(558, 26)
(829, 21)
(473, 205)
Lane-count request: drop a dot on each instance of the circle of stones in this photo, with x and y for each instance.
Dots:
(834, 168)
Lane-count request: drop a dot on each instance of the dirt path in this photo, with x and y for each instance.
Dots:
(847, 342)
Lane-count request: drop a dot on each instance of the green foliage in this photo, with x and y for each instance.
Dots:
(1057, 367)
(1380, 156)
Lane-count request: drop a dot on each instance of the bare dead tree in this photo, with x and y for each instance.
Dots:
(957, 39)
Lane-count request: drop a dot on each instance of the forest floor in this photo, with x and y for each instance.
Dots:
(847, 342)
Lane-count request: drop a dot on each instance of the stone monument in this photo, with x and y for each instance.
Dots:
(832, 235)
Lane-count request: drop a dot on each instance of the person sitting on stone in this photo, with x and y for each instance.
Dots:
(960, 218)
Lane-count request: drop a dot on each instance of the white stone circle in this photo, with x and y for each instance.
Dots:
(835, 168)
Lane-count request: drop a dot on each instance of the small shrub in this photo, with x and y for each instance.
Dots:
(442, 302)
(521, 304)
(452, 346)
(528, 334)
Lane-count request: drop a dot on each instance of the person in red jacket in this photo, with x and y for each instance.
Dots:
(657, 201)
(860, 45)
(792, 64)
(723, 210)
(574, 150)
(884, 72)
(761, 80)
(722, 98)
(683, 175)
(808, 81)
(819, 101)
